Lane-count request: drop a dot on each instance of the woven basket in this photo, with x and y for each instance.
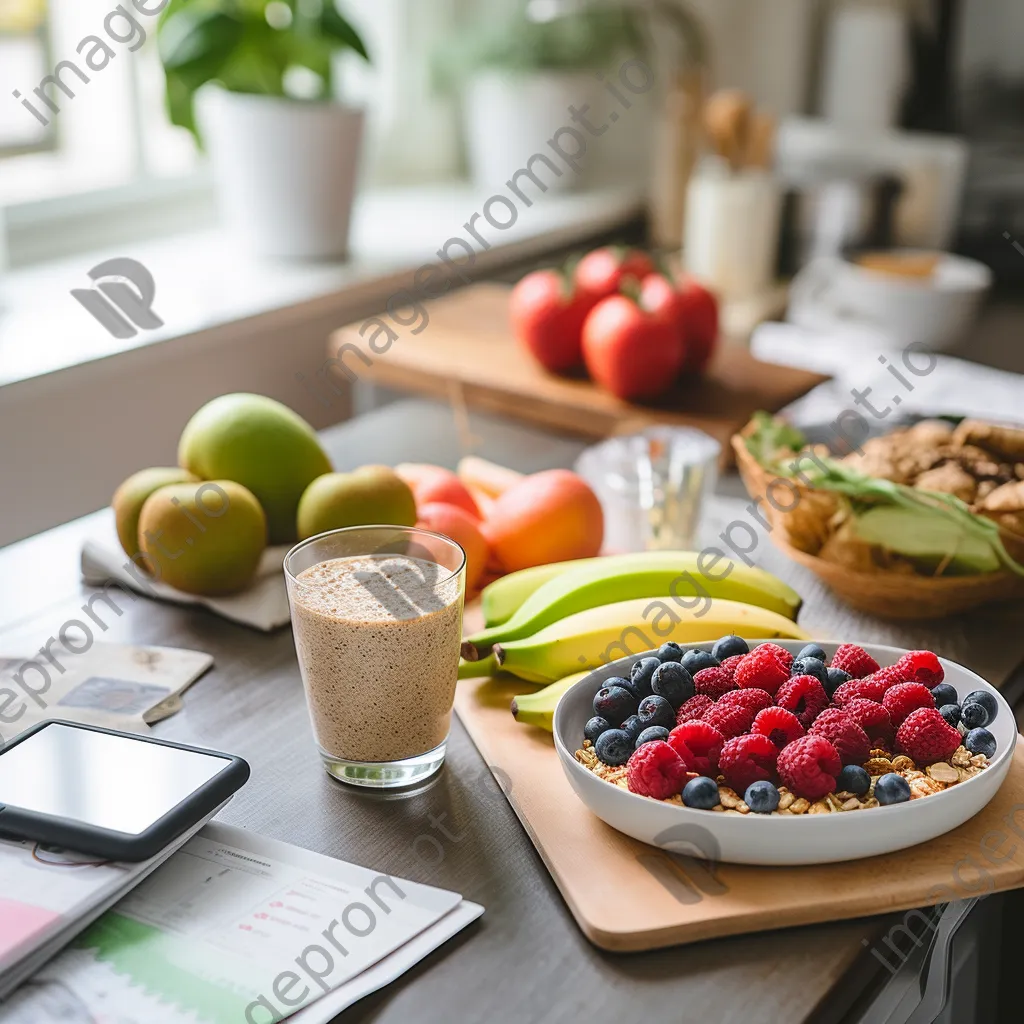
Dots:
(893, 595)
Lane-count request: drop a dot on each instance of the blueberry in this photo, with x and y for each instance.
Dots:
(943, 693)
(836, 678)
(974, 715)
(812, 651)
(951, 713)
(673, 682)
(633, 726)
(980, 741)
(729, 645)
(853, 779)
(594, 728)
(811, 667)
(889, 789)
(670, 652)
(614, 704)
(640, 675)
(657, 711)
(613, 747)
(986, 700)
(626, 685)
(695, 659)
(701, 793)
(655, 732)
(761, 797)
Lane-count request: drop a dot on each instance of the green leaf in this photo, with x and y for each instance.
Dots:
(194, 43)
(334, 25)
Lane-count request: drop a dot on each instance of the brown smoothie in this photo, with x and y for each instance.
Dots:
(378, 644)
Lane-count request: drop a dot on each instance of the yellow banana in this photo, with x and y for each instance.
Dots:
(590, 583)
(500, 600)
(597, 636)
(538, 708)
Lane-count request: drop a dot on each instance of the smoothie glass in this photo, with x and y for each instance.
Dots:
(377, 619)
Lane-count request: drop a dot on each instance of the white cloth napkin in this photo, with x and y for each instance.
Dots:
(851, 357)
(263, 605)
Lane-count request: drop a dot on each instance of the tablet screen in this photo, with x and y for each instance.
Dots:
(108, 782)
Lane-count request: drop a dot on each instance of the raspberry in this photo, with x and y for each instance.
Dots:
(921, 667)
(729, 720)
(753, 698)
(655, 770)
(731, 662)
(761, 669)
(859, 689)
(855, 660)
(809, 766)
(713, 682)
(903, 698)
(840, 729)
(747, 759)
(871, 717)
(694, 708)
(926, 737)
(703, 742)
(780, 652)
(891, 675)
(779, 725)
(804, 696)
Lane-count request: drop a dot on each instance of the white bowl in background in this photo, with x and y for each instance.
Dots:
(780, 839)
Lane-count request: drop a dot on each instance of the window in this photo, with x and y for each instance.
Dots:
(24, 52)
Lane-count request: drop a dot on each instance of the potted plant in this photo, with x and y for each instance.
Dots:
(252, 80)
(521, 73)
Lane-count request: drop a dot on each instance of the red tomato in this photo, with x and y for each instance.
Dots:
(629, 351)
(600, 273)
(700, 317)
(659, 295)
(547, 316)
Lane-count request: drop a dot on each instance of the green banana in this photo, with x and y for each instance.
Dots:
(500, 600)
(598, 581)
(538, 708)
(597, 636)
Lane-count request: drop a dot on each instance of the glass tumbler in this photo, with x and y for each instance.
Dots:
(652, 486)
(377, 619)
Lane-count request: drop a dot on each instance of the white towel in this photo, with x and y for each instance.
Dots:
(262, 605)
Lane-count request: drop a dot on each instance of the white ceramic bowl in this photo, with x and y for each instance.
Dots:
(775, 839)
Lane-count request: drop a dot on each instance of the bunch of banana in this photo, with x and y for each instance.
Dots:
(538, 708)
(599, 635)
(547, 594)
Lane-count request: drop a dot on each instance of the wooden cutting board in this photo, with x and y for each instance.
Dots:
(466, 354)
(627, 896)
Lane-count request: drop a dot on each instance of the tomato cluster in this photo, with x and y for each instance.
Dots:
(635, 328)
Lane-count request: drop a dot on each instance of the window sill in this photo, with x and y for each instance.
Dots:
(205, 282)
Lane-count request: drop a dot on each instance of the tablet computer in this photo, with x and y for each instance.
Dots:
(116, 795)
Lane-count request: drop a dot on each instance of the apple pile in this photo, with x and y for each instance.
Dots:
(635, 328)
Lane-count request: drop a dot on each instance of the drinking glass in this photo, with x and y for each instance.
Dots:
(377, 619)
(652, 486)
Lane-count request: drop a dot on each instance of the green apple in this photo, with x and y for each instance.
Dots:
(203, 538)
(260, 444)
(368, 496)
(131, 496)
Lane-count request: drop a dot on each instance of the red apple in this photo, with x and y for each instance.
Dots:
(629, 350)
(547, 314)
(431, 484)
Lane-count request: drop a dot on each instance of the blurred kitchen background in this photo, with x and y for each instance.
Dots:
(805, 134)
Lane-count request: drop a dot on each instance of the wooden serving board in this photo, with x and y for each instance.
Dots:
(467, 355)
(627, 896)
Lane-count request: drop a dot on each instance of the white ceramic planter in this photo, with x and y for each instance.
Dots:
(509, 117)
(285, 170)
